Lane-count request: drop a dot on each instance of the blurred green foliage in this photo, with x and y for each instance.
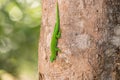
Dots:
(19, 35)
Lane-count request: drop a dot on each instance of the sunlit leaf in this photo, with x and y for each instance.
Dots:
(15, 14)
(5, 45)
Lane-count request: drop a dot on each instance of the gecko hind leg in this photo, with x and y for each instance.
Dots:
(58, 35)
(57, 49)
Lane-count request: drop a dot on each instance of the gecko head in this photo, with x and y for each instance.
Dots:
(52, 59)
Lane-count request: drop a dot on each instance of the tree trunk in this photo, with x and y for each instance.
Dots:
(89, 43)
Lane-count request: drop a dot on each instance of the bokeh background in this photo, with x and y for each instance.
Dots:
(19, 35)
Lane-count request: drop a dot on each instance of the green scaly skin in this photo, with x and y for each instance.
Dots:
(56, 35)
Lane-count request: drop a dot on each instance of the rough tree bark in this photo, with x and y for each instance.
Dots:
(90, 40)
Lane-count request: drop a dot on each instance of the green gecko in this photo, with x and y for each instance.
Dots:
(55, 36)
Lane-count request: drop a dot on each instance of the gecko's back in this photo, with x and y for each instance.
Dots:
(54, 40)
